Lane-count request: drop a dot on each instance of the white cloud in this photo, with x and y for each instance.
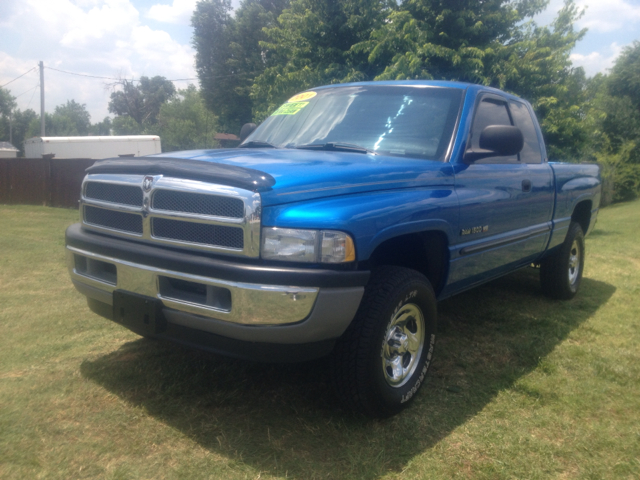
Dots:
(104, 38)
(157, 51)
(178, 12)
(596, 62)
(610, 24)
(24, 87)
(608, 15)
(599, 15)
(111, 18)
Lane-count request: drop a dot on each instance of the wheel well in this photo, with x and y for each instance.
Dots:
(582, 215)
(425, 252)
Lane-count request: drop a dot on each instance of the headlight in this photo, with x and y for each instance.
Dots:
(319, 246)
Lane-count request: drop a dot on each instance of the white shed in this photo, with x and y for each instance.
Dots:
(7, 150)
(92, 147)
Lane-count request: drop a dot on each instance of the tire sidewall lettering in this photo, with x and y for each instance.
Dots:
(402, 303)
(425, 368)
(408, 391)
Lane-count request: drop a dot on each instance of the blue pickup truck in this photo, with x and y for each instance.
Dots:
(334, 229)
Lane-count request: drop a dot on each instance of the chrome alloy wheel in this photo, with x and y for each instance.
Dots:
(403, 343)
(574, 262)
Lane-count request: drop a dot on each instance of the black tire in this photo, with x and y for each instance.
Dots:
(382, 359)
(561, 274)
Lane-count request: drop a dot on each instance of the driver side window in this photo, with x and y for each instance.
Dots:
(490, 111)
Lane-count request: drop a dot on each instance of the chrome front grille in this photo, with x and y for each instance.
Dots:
(173, 211)
(201, 233)
(121, 221)
(187, 202)
(114, 193)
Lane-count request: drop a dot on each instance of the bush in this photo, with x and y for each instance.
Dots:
(620, 176)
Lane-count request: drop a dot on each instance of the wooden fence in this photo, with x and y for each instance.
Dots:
(42, 181)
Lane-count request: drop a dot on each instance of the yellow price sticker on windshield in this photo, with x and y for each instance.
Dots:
(301, 97)
(290, 108)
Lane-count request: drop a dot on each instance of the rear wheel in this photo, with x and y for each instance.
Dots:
(561, 274)
(381, 360)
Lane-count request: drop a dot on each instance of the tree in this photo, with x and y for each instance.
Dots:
(248, 56)
(20, 122)
(125, 125)
(186, 123)
(141, 102)
(68, 120)
(312, 45)
(621, 122)
(614, 124)
(7, 103)
(620, 174)
(440, 39)
(212, 36)
(229, 55)
(625, 75)
(102, 128)
(536, 66)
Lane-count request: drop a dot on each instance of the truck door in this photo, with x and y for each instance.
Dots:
(541, 196)
(498, 197)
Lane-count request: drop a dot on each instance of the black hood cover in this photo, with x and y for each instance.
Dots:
(231, 175)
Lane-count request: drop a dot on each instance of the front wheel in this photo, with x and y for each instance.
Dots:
(382, 359)
(561, 274)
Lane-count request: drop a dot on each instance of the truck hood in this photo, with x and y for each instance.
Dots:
(289, 175)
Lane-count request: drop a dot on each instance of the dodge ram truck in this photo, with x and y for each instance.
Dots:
(334, 229)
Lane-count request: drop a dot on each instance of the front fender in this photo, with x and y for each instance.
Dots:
(372, 218)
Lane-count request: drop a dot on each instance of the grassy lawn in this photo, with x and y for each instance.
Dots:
(521, 387)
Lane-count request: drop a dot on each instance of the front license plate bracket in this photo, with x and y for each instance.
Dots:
(138, 313)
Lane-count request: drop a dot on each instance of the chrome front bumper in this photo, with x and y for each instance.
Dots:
(232, 302)
(234, 308)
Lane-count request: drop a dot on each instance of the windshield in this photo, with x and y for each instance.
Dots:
(390, 120)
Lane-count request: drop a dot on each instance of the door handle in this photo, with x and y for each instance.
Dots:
(526, 185)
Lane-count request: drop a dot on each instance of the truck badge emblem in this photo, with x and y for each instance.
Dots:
(146, 183)
(472, 230)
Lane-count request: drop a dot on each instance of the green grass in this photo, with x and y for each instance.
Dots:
(521, 387)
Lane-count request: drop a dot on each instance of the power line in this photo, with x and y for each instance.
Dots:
(27, 91)
(137, 80)
(113, 78)
(108, 78)
(83, 74)
(34, 92)
(2, 86)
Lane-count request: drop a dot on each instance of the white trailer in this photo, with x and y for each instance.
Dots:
(92, 147)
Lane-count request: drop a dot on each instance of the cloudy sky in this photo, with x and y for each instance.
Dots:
(112, 38)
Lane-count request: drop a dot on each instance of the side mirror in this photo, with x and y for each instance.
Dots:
(497, 140)
(247, 129)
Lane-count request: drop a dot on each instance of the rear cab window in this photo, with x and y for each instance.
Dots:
(531, 152)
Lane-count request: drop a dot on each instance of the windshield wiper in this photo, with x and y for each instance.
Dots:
(257, 144)
(336, 146)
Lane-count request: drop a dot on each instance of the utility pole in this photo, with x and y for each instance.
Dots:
(11, 127)
(41, 98)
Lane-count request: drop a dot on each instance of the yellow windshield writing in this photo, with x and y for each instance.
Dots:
(302, 96)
